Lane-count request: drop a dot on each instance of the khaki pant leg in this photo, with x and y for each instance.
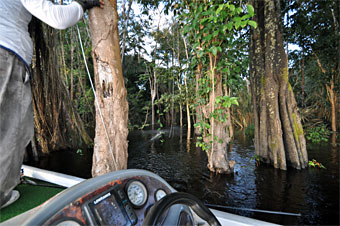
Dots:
(16, 120)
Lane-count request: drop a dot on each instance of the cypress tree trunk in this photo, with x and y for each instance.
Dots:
(54, 114)
(110, 153)
(279, 137)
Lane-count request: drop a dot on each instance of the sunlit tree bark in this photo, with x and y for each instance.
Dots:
(110, 144)
(198, 111)
(279, 137)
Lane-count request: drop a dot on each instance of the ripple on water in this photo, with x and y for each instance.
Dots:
(312, 192)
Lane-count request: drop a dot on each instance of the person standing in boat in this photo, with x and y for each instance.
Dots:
(16, 50)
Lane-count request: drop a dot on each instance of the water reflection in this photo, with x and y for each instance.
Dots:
(314, 193)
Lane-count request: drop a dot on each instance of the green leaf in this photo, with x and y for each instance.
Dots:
(208, 37)
(252, 23)
(195, 45)
(237, 19)
(233, 100)
(250, 10)
(238, 10)
(200, 8)
(244, 17)
(206, 13)
(237, 24)
(218, 100)
(230, 26)
(213, 50)
(204, 20)
(225, 70)
(220, 8)
(244, 23)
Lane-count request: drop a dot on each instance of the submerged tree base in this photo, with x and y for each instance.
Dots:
(226, 170)
(222, 166)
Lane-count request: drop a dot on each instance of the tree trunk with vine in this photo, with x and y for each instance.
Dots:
(198, 109)
(187, 98)
(212, 27)
(279, 137)
(219, 131)
(110, 145)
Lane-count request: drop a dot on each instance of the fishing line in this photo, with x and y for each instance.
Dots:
(253, 210)
(95, 97)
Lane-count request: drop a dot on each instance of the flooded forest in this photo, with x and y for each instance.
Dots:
(236, 102)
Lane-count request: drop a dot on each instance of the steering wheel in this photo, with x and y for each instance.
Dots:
(169, 200)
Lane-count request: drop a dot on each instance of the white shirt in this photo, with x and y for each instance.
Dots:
(15, 16)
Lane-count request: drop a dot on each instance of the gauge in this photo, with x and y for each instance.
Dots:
(68, 223)
(137, 193)
(160, 194)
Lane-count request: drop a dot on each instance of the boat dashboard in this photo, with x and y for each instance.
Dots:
(126, 197)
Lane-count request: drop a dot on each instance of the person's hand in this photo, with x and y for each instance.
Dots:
(88, 4)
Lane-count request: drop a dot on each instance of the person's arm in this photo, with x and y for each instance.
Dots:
(57, 16)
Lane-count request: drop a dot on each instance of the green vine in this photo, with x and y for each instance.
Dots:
(212, 29)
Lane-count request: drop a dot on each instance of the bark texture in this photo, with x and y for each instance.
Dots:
(57, 124)
(332, 96)
(110, 153)
(279, 137)
(220, 130)
(198, 108)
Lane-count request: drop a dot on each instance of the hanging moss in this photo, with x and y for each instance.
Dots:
(263, 84)
(297, 129)
(285, 74)
(290, 87)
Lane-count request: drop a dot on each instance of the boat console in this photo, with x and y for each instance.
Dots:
(126, 197)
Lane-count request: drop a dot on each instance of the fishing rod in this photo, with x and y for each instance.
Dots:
(253, 210)
(25, 180)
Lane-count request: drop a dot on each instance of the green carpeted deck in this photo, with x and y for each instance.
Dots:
(30, 197)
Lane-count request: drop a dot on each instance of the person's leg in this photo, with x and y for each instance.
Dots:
(16, 121)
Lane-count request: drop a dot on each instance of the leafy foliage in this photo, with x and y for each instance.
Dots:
(314, 27)
(314, 164)
(210, 28)
(214, 32)
(318, 134)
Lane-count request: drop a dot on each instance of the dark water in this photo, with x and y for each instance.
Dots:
(312, 192)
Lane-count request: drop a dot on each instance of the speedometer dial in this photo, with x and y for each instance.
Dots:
(137, 193)
(160, 194)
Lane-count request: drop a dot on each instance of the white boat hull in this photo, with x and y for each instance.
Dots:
(69, 181)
